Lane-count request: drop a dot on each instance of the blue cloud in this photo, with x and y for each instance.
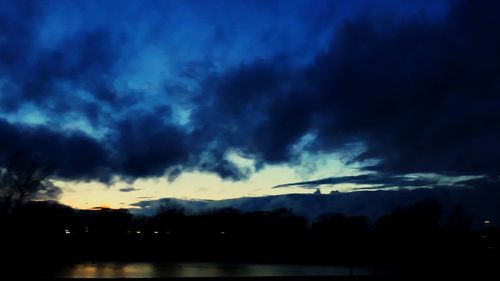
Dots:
(139, 89)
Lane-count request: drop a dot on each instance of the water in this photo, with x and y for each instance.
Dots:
(166, 270)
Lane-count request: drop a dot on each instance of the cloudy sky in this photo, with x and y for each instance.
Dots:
(223, 99)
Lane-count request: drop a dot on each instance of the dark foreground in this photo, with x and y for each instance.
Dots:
(418, 241)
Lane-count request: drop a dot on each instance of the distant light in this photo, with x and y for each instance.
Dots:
(67, 231)
(222, 232)
(86, 229)
(155, 232)
(487, 222)
(484, 236)
(167, 232)
(138, 232)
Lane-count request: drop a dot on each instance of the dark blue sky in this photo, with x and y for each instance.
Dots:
(115, 91)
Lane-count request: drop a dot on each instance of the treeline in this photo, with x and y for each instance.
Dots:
(414, 236)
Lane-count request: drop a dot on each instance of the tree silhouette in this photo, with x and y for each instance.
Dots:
(23, 179)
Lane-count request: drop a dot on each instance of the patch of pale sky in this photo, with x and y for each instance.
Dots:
(197, 185)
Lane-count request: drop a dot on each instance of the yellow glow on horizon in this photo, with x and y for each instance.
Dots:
(195, 185)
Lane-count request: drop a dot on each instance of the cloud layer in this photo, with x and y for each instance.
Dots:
(162, 87)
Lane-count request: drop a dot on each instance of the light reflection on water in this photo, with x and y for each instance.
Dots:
(164, 270)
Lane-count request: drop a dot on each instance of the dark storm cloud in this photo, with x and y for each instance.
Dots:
(142, 145)
(81, 59)
(422, 97)
(128, 189)
(35, 73)
(76, 74)
(420, 94)
(146, 145)
(75, 155)
(250, 109)
(15, 37)
(379, 181)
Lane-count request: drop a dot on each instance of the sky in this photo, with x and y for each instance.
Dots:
(133, 100)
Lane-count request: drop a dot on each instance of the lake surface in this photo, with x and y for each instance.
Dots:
(165, 270)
